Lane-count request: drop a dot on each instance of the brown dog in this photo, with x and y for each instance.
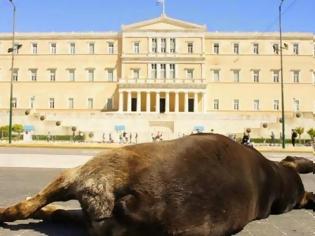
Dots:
(202, 184)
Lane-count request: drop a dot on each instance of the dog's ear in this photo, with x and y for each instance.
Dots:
(300, 164)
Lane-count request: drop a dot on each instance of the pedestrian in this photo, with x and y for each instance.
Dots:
(272, 136)
(104, 137)
(130, 137)
(293, 137)
(110, 138)
(48, 137)
(120, 138)
(245, 139)
(136, 138)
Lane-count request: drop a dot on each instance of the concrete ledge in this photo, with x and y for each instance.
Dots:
(102, 146)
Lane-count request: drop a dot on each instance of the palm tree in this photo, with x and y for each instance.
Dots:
(300, 131)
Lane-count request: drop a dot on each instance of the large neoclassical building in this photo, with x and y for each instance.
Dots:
(160, 75)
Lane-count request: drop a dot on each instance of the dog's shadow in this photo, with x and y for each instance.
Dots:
(48, 228)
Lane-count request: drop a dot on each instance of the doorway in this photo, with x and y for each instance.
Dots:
(162, 105)
(191, 105)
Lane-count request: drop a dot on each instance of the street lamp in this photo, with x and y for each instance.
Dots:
(12, 51)
(281, 68)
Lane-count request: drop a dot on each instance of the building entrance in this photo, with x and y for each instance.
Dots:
(134, 104)
(191, 105)
(162, 105)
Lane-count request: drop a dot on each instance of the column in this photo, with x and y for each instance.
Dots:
(121, 101)
(129, 102)
(148, 102)
(205, 102)
(157, 102)
(195, 102)
(167, 102)
(138, 101)
(186, 101)
(176, 102)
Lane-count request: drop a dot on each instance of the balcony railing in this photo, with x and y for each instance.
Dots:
(161, 81)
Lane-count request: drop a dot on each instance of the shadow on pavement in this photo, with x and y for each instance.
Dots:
(49, 228)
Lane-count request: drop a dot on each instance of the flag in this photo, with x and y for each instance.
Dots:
(159, 2)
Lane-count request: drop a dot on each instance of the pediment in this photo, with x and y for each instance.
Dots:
(164, 23)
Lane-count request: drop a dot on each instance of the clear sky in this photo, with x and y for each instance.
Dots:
(107, 15)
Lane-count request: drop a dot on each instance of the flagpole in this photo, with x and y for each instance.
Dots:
(163, 2)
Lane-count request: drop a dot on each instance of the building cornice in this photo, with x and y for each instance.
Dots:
(61, 35)
(260, 35)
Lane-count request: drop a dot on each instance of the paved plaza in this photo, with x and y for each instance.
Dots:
(19, 181)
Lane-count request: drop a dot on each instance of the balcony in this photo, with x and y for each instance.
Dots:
(162, 83)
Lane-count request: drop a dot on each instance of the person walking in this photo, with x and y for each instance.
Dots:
(272, 136)
(136, 138)
(293, 137)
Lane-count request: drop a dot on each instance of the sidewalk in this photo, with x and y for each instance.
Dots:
(70, 145)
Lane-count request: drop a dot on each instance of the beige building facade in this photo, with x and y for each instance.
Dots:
(161, 75)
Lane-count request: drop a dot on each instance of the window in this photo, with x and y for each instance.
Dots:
(90, 103)
(33, 73)
(90, 73)
(32, 102)
(256, 105)
(70, 103)
(110, 46)
(276, 105)
(256, 48)
(14, 102)
(163, 45)
(53, 48)
(296, 49)
(51, 103)
(163, 71)
(110, 75)
(190, 48)
(216, 48)
(136, 47)
(135, 74)
(236, 104)
(172, 71)
(91, 48)
(236, 47)
(34, 48)
(153, 71)
(109, 104)
(236, 76)
(275, 76)
(296, 104)
(216, 75)
(154, 45)
(72, 48)
(296, 76)
(190, 74)
(275, 48)
(71, 74)
(216, 104)
(15, 75)
(52, 75)
(173, 45)
(256, 76)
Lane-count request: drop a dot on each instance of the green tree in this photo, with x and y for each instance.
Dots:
(18, 128)
(300, 131)
(4, 131)
(311, 133)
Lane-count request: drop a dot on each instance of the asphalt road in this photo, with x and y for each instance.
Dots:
(19, 183)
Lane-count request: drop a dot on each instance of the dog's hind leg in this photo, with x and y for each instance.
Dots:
(59, 214)
(58, 190)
